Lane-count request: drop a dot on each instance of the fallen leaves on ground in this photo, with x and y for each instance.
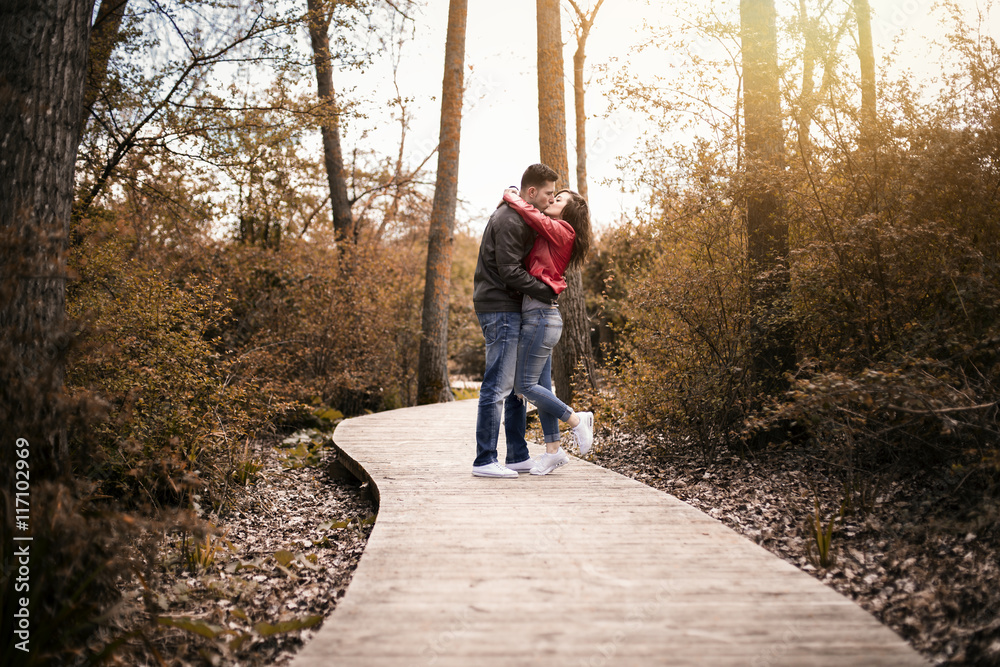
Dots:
(274, 568)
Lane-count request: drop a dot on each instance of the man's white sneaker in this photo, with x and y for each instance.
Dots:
(546, 463)
(583, 433)
(522, 466)
(493, 470)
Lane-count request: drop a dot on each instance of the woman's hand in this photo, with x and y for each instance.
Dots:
(510, 196)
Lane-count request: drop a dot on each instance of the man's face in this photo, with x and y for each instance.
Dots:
(543, 197)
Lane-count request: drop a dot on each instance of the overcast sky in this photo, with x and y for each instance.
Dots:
(500, 126)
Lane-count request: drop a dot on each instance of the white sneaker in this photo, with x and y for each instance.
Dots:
(523, 466)
(583, 433)
(546, 463)
(493, 470)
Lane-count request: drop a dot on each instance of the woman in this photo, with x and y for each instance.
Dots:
(563, 241)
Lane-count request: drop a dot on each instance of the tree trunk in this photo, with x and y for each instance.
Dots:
(574, 348)
(43, 66)
(551, 93)
(806, 104)
(866, 56)
(579, 90)
(432, 368)
(767, 228)
(104, 36)
(333, 157)
(581, 117)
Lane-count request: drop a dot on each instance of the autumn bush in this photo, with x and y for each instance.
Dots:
(196, 359)
(893, 299)
(899, 312)
(177, 413)
(320, 327)
(896, 326)
(682, 354)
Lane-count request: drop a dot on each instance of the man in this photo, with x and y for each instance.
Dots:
(500, 282)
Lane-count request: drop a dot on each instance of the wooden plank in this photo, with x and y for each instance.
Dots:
(580, 567)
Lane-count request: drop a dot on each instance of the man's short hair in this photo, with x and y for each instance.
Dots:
(537, 175)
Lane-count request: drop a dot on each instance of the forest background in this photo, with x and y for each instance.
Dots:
(802, 252)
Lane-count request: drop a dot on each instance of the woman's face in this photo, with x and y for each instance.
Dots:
(555, 209)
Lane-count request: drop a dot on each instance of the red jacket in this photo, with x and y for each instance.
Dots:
(553, 247)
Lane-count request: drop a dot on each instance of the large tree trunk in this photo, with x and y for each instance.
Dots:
(333, 156)
(432, 368)
(767, 227)
(104, 35)
(574, 348)
(43, 61)
(866, 56)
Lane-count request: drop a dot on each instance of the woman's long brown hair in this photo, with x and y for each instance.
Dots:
(577, 214)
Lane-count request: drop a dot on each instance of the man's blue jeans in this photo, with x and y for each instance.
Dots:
(541, 329)
(501, 331)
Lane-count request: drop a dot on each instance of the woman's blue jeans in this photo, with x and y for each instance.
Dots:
(541, 329)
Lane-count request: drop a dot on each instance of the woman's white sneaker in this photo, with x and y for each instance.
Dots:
(583, 433)
(546, 463)
(493, 470)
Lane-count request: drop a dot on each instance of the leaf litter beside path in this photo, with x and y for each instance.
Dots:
(253, 592)
(921, 562)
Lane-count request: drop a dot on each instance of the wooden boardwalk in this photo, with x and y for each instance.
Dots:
(581, 567)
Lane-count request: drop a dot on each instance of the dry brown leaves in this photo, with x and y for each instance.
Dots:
(275, 567)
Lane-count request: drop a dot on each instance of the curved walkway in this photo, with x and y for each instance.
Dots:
(582, 567)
